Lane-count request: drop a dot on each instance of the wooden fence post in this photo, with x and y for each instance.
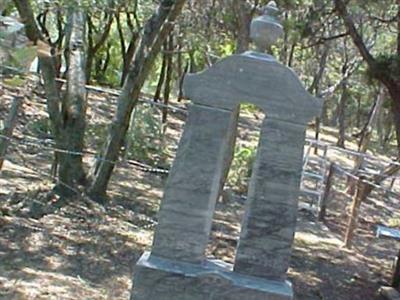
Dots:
(324, 199)
(359, 196)
(396, 273)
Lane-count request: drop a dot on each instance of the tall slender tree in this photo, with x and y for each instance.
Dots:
(156, 31)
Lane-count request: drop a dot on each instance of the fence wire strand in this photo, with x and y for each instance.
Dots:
(41, 143)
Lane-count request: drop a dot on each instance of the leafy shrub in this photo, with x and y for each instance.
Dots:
(144, 140)
(241, 167)
(40, 127)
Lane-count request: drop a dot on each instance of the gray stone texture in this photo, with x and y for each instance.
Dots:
(163, 279)
(192, 188)
(177, 268)
(269, 223)
(254, 78)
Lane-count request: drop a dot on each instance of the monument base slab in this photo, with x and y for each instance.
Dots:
(157, 278)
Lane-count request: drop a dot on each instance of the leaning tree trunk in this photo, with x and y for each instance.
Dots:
(67, 116)
(161, 77)
(315, 89)
(71, 136)
(342, 115)
(156, 31)
(95, 44)
(9, 126)
(387, 78)
(168, 77)
(365, 139)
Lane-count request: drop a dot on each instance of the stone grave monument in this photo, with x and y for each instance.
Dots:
(176, 268)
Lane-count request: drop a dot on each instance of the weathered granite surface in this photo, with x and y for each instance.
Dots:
(191, 191)
(254, 78)
(269, 224)
(162, 279)
(188, 204)
(176, 267)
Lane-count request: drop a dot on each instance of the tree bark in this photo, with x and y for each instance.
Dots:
(365, 139)
(342, 115)
(367, 132)
(156, 31)
(325, 197)
(315, 89)
(66, 116)
(127, 54)
(71, 169)
(244, 15)
(94, 45)
(161, 77)
(388, 79)
(168, 77)
(9, 126)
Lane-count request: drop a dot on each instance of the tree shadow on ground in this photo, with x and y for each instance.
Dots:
(85, 250)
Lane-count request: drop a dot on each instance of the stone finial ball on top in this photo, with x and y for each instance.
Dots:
(266, 29)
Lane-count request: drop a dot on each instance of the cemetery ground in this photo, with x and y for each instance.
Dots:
(83, 250)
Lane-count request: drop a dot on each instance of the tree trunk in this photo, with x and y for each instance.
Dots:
(9, 126)
(365, 139)
(358, 117)
(129, 56)
(325, 197)
(67, 123)
(388, 79)
(342, 116)
(367, 132)
(71, 169)
(394, 91)
(244, 16)
(315, 89)
(161, 77)
(156, 31)
(168, 77)
(95, 45)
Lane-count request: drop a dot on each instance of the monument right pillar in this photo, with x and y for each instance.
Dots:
(269, 223)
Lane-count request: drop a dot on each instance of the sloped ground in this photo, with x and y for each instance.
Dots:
(86, 251)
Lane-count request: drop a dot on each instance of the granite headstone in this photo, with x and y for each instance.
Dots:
(176, 268)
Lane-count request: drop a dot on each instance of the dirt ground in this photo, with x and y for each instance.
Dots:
(87, 251)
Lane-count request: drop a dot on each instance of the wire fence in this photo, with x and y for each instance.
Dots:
(41, 144)
(49, 145)
(361, 175)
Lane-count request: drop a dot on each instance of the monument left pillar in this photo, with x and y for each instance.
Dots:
(187, 208)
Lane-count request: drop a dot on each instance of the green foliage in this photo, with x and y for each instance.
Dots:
(23, 57)
(95, 135)
(16, 81)
(40, 127)
(386, 65)
(144, 140)
(241, 167)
